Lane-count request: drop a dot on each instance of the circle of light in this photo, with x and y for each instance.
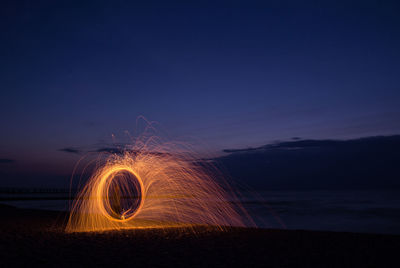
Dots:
(104, 186)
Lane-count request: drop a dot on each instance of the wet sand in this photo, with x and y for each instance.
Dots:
(37, 238)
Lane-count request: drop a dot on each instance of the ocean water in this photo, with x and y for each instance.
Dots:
(349, 211)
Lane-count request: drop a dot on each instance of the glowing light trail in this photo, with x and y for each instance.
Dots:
(143, 189)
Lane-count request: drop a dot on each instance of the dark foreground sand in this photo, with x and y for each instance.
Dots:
(36, 238)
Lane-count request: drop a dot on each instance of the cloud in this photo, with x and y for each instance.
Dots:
(70, 150)
(6, 161)
(241, 150)
(111, 150)
(119, 150)
(364, 163)
(303, 144)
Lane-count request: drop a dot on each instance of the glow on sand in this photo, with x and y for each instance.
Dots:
(163, 189)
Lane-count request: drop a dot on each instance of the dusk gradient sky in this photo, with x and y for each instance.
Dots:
(232, 75)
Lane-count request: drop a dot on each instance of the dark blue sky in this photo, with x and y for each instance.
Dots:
(231, 75)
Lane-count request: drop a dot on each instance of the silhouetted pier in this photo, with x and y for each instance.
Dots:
(7, 190)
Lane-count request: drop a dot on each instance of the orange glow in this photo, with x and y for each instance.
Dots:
(167, 188)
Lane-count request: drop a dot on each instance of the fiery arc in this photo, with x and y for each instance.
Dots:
(170, 190)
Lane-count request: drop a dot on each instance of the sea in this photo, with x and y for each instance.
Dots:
(372, 211)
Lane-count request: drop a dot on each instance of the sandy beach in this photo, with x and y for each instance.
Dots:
(37, 238)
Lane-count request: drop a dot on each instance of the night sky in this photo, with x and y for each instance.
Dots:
(233, 75)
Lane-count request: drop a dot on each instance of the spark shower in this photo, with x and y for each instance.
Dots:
(155, 184)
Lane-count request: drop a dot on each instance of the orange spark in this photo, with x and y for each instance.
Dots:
(163, 189)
